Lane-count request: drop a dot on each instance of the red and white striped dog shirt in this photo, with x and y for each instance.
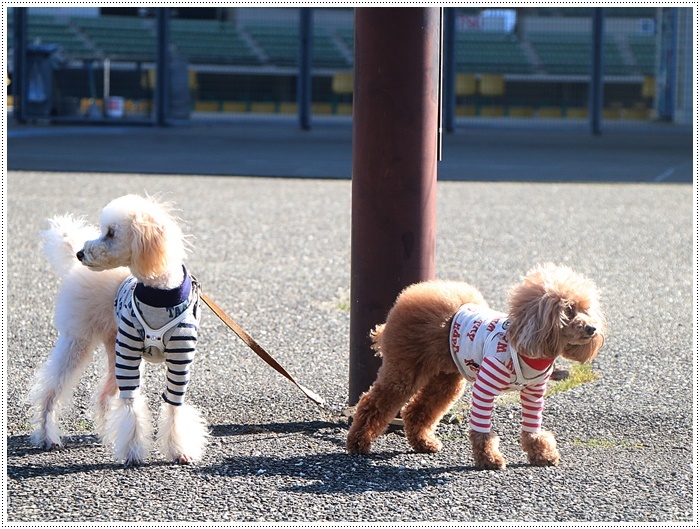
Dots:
(483, 355)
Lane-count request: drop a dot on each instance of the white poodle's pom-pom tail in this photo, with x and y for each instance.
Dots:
(182, 433)
(128, 429)
(64, 238)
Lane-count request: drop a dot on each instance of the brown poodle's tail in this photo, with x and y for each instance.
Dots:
(376, 337)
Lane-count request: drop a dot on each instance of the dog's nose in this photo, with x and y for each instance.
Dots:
(80, 255)
(590, 330)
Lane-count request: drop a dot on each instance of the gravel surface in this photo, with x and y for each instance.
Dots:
(275, 254)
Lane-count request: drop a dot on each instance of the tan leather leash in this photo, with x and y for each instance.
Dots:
(258, 350)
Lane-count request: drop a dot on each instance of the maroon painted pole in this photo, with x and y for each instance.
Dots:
(394, 168)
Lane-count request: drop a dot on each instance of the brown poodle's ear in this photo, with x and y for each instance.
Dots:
(584, 353)
(148, 247)
(536, 320)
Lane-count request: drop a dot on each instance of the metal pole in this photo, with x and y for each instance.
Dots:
(19, 67)
(162, 93)
(596, 87)
(304, 79)
(394, 168)
(449, 65)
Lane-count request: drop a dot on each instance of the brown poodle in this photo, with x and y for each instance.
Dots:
(439, 333)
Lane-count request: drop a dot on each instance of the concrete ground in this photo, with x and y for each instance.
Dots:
(275, 253)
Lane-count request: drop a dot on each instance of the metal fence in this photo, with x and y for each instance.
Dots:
(529, 64)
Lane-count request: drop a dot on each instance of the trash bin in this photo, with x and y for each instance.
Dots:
(40, 81)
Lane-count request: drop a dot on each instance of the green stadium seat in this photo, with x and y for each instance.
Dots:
(570, 54)
(490, 52)
(281, 44)
(644, 50)
(211, 42)
(44, 29)
(120, 38)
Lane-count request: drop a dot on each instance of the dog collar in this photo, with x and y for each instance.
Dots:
(157, 297)
(538, 364)
(531, 371)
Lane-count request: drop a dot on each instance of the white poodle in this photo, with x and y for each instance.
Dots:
(133, 296)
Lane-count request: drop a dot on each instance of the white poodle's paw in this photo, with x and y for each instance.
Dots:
(183, 459)
(41, 439)
(182, 433)
(132, 460)
(128, 430)
(47, 435)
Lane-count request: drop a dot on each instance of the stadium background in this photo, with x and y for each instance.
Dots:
(512, 64)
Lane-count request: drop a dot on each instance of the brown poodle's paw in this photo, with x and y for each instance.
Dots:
(425, 443)
(541, 448)
(485, 451)
(358, 444)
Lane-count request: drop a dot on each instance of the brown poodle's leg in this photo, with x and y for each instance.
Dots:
(541, 448)
(377, 407)
(485, 450)
(424, 411)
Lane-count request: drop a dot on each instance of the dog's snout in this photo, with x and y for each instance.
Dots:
(80, 255)
(590, 330)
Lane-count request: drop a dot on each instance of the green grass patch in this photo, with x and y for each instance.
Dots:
(578, 374)
(595, 443)
(343, 304)
(25, 426)
(340, 302)
(85, 425)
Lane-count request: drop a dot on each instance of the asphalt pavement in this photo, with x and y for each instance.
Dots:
(275, 254)
(266, 147)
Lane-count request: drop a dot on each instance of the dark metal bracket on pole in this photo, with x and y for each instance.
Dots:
(305, 58)
(394, 168)
(596, 86)
(441, 84)
(162, 93)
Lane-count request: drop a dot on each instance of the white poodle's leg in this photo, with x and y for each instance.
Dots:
(182, 433)
(107, 389)
(128, 429)
(53, 387)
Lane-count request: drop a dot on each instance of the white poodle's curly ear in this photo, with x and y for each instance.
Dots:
(149, 246)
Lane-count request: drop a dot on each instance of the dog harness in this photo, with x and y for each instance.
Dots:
(158, 326)
(483, 355)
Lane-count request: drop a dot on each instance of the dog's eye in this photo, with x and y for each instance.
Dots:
(110, 233)
(570, 312)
